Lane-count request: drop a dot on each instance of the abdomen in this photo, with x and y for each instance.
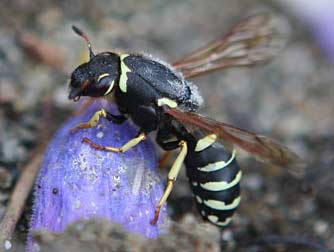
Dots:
(214, 177)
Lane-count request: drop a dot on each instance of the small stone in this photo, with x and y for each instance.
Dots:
(227, 235)
(321, 227)
(8, 245)
(252, 182)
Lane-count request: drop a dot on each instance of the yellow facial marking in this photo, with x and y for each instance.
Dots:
(166, 101)
(102, 76)
(217, 165)
(124, 70)
(221, 185)
(109, 88)
(220, 205)
(205, 142)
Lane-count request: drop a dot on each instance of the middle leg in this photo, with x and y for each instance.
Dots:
(130, 144)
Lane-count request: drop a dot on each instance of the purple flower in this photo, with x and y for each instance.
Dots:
(318, 15)
(79, 182)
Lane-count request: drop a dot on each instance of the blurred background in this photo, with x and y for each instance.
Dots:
(289, 99)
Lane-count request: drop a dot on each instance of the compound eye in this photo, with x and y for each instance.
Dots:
(105, 81)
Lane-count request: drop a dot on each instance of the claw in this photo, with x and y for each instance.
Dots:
(156, 216)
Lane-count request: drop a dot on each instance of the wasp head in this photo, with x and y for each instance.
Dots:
(96, 77)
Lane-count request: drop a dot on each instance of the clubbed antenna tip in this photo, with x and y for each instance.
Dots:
(79, 32)
(85, 37)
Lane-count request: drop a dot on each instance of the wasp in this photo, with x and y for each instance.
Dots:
(159, 97)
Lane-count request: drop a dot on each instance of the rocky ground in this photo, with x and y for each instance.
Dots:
(289, 99)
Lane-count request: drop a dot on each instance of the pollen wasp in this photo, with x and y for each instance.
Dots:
(158, 97)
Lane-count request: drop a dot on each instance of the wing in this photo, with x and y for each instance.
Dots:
(264, 148)
(254, 40)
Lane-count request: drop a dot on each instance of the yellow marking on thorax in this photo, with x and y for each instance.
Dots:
(221, 185)
(166, 101)
(217, 165)
(124, 70)
(170, 139)
(220, 205)
(205, 142)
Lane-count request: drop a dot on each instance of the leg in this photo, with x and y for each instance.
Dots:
(133, 142)
(95, 120)
(172, 175)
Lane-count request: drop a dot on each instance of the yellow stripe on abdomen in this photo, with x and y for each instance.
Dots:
(217, 165)
(221, 185)
(205, 142)
(220, 205)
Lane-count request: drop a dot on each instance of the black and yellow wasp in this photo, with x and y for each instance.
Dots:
(157, 97)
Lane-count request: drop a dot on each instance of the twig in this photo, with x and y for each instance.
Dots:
(18, 198)
(43, 52)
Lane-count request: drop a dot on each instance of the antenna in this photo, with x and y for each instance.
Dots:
(85, 37)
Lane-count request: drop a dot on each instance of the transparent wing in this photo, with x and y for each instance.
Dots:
(263, 148)
(254, 40)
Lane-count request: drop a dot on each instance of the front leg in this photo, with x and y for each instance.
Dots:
(132, 143)
(94, 120)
